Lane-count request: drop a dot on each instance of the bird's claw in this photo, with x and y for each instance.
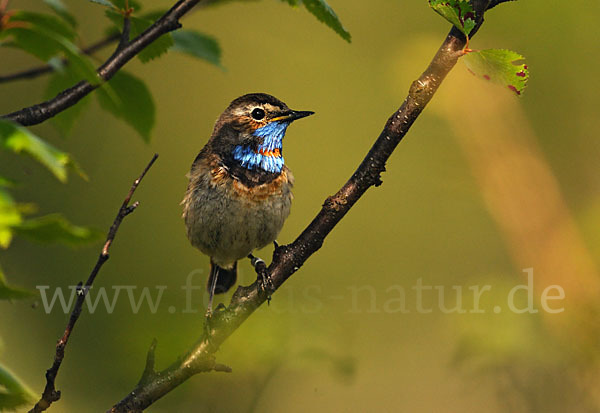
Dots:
(263, 281)
(265, 284)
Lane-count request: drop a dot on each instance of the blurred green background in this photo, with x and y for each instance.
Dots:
(484, 186)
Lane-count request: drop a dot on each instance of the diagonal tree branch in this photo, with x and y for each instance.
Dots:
(50, 394)
(288, 259)
(166, 23)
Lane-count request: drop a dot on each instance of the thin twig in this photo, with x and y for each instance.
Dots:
(124, 41)
(43, 69)
(149, 370)
(50, 394)
(287, 259)
(169, 21)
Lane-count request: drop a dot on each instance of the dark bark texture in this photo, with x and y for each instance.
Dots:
(287, 259)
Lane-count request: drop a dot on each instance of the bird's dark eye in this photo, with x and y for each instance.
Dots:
(258, 114)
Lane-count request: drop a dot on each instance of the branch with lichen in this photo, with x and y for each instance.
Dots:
(287, 259)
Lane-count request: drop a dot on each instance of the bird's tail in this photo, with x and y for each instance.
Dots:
(225, 277)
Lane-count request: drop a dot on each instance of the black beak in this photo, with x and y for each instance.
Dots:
(292, 115)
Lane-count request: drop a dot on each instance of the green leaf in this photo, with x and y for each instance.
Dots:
(78, 62)
(458, 12)
(157, 47)
(137, 27)
(208, 3)
(198, 45)
(61, 10)
(6, 183)
(18, 139)
(13, 393)
(8, 292)
(45, 45)
(292, 3)
(32, 42)
(103, 3)
(131, 101)
(45, 22)
(499, 66)
(55, 228)
(321, 10)
(47, 37)
(10, 216)
(59, 81)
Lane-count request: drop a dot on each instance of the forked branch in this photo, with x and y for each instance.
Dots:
(167, 23)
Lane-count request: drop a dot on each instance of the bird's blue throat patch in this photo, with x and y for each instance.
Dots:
(267, 156)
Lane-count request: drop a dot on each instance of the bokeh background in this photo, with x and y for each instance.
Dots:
(484, 186)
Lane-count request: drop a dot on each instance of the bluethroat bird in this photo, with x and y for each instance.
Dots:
(239, 191)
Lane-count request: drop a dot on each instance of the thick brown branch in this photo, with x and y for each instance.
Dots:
(38, 113)
(50, 394)
(42, 70)
(288, 259)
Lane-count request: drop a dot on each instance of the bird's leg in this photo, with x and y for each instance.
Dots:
(264, 281)
(211, 293)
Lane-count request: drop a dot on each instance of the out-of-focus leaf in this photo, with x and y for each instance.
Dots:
(321, 10)
(499, 66)
(18, 139)
(154, 15)
(45, 45)
(291, 2)
(343, 366)
(207, 3)
(61, 10)
(58, 82)
(32, 42)
(13, 392)
(45, 22)
(131, 101)
(55, 228)
(135, 5)
(10, 216)
(458, 12)
(6, 183)
(79, 63)
(198, 45)
(103, 3)
(8, 292)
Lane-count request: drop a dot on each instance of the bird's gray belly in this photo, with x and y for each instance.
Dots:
(228, 227)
